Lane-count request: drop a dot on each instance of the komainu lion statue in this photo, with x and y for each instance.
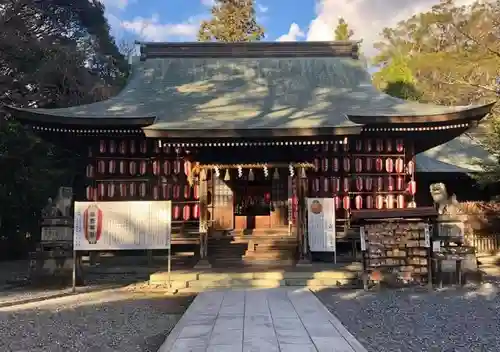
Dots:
(445, 204)
(61, 206)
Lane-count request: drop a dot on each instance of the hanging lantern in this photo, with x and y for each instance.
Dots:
(400, 201)
(265, 170)
(122, 147)
(412, 187)
(123, 190)
(101, 167)
(335, 163)
(123, 167)
(142, 189)
(166, 191)
(346, 184)
(176, 212)
(217, 172)
(368, 183)
(303, 172)
(345, 145)
(187, 168)
(369, 202)
(112, 147)
(389, 165)
(379, 165)
(157, 149)
(240, 171)
(359, 145)
(187, 192)
(369, 164)
(143, 167)
(379, 145)
(379, 202)
(156, 192)
(167, 149)
(368, 146)
(167, 167)
(388, 145)
(112, 166)
(101, 191)
(132, 146)
(358, 201)
(132, 189)
(346, 202)
(177, 166)
(89, 172)
(390, 184)
(336, 200)
(335, 184)
(176, 191)
(102, 146)
(324, 164)
(276, 174)
(186, 213)
(358, 164)
(400, 181)
(89, 193)
(196, 211)
(379, 184)
(291, 170)
(399, 165)
(346, 164)
(111, 190)
(251, 176)
(143, 146)
(316, 185)
(390, 201)
(196, 192)
(132, 168)
(400, 145)
(316, 164)
(411, 167)
(227, 177)
(359, 183)
(156, 167)
(325, 184)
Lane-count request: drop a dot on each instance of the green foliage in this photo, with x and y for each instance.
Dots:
(232, 21)
(342, 31)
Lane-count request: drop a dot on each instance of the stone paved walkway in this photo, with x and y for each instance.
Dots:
(271, 320)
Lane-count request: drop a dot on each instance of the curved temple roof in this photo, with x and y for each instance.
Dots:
(251, 93)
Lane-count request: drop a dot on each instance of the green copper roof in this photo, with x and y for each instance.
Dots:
(249, 93)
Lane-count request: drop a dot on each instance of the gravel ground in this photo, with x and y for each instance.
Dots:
(99, 321)
(414, 320)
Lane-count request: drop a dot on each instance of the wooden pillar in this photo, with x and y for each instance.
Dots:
(304, 257)
(203, 262)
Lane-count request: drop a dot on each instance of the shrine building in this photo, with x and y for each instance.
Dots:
(238, 135)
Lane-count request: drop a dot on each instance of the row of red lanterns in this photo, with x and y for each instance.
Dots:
(370, 202)
(364, 164)
(132, 146)
(363, 183)
(132, 189)
(123, 167)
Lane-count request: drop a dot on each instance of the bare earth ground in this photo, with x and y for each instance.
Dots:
(100, 321)
(411, 320)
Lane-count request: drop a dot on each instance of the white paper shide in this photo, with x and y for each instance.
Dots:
(122, 225)
(321, 224)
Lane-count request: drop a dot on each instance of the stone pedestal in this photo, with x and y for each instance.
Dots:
(203, 264)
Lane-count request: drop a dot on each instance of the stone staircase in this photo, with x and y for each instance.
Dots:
(257, 247)
(314, 277)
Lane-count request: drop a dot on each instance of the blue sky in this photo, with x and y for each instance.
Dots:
(178, 20)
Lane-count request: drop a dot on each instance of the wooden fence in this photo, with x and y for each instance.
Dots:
(483, 226)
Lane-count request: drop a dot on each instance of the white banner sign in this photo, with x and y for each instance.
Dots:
(321, 224)
(122, 225)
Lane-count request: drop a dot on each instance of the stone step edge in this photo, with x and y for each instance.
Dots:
(257, 283)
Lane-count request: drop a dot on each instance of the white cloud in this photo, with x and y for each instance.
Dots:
(115, 4)
(151, 29)
(261, 8)
(293, 34)
(366, 17)
(208, 3)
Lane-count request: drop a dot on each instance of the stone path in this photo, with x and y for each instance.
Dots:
(271, 320)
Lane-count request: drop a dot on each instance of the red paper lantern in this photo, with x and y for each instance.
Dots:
(102, 146)
(390, 184)
(176, 212)
(359, 183)
(346, 184)
(358, 164)
(335, 184)
(388, 145)
(369, 202)
(132, 146)
(177, 166)
(123, 167)
(156, 192)
(156, 167)
(176, 191)
(122, 147)
(316, 164)
(400, 181)
(142, 189)
(325, 184)
(379, 184)
(123, 190)
(368, 183)
(187, 168)
(132, 189)
(316, 185)
(196, 192)
(379, 165)
(400, 145)
(143, 167)
(368, 146)
(336, 200)
(101, 167)
(187, 192)
(390, 201)
(101, 191)
(324, 164)
(346, 202)
(111, 190)
(369, 164)
(379, 202)
(92, 223)
(411, 167)
(112, 147)
(89, 172)
(400, 201)
(186, 212)
(379, 145)
(143, 147)
(89, 193)
(389, 165)
(346, 164)
(359, 145)
(132, 168)
(399, 165)
(336, 166)
(196, 211)
(112, 166)
(412, 187)
(358, 202)
(166, 191)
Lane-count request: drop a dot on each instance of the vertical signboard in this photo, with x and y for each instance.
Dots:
(321, 224)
